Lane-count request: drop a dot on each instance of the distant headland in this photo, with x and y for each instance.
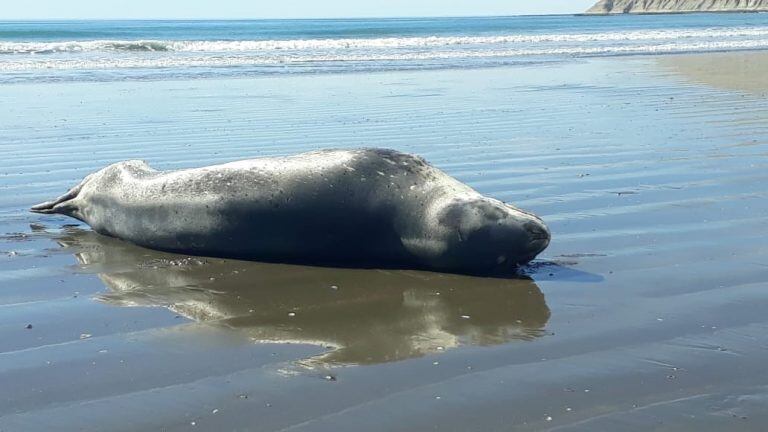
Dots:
(603, 7)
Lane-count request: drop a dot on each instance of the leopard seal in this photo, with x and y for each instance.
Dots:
(359, 208)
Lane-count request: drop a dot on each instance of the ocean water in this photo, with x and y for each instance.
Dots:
(151, 50)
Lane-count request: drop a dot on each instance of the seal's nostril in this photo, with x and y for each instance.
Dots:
(536, 231)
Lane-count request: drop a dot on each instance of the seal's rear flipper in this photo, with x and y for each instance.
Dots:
(45, 208)
(59, 204)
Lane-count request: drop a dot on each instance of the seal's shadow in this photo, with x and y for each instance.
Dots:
(363, 316)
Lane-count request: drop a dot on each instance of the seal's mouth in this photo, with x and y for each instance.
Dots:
(538, 245)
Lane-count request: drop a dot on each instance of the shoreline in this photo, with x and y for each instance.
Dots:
(554, 62)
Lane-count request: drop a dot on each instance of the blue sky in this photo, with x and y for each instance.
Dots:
(84, 9)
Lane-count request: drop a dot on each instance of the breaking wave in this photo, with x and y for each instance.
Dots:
(368, 43)
(233, 61)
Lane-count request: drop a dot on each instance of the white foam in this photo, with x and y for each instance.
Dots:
(305, 60)
(368, 43)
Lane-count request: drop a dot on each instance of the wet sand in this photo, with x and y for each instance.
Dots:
(745, 72)
(647, 312)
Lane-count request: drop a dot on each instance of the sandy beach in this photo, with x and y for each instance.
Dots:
(647, 312)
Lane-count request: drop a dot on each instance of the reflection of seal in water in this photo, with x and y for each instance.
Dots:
(364, 316)
(351, 207)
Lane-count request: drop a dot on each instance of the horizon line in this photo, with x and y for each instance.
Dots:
(284, 18)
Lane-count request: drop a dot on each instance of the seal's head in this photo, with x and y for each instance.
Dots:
(491, 235)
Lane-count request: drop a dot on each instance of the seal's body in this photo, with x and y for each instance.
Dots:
(367, 207)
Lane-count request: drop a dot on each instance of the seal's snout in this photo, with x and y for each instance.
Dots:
(538, 236)
(537, 230)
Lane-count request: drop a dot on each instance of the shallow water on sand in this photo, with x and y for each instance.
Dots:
(646, 312)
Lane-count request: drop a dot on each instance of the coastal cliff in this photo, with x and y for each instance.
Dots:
(676, 6)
